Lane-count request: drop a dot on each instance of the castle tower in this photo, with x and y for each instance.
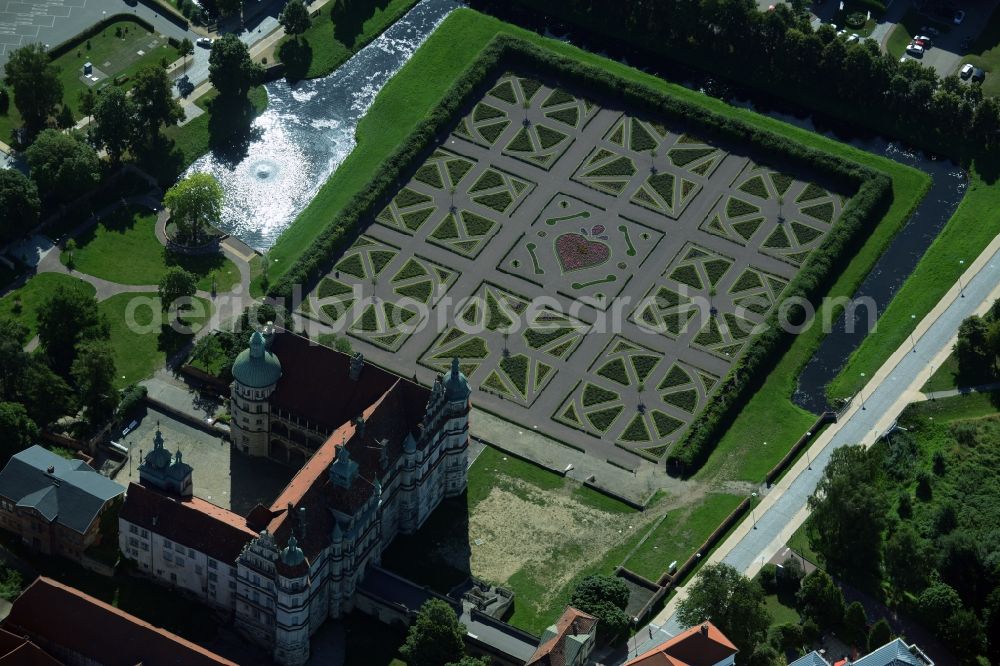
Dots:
(453, 415)
(256, 372)
(291, 645)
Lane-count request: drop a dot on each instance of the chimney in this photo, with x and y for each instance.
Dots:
(51, 470)
(704, 630)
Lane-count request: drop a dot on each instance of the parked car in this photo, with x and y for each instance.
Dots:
(853, 38)
(915, 50)
(966, 71)
(958, 17)
(921, 43)
(204, 42)
(930, 30)
(923, 38)
(978, 75)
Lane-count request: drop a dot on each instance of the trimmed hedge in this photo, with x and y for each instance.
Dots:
(871, 200)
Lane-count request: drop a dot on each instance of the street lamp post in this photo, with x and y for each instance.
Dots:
(753, 510)
(913, 343)
(863, 391)
(961, 287)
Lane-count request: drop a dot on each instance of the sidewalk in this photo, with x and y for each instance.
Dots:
(896, 384)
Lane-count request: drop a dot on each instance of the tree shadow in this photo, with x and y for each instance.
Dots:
(349, 19)
(161, 159)
(296, 55)
(230, 129)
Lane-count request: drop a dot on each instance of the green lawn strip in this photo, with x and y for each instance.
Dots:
(770, 416)
(799, 542)
(104, 47)
(964, 237)
(680, 534)
(36, 291)
(957, 407)
(945, 377)
(407, 98)
(138, 353)
(333, 43)
(780, 613)
(123, 248)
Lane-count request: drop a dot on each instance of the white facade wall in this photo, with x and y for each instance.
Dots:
(176, 565)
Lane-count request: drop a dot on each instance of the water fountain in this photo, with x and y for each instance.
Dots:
(308, 130)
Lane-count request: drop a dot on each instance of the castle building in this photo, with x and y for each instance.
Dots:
(375, 453)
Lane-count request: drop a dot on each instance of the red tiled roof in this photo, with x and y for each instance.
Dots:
(308, 368)
(192, 522)
(703, 645)
(55, 614)
(572, 623)
(19, 651)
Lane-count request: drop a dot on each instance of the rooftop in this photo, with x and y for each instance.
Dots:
(702, 645)
(68, 492)
(559, 644)
(55, 614)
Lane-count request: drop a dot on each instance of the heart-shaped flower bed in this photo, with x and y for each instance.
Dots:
(576, 252)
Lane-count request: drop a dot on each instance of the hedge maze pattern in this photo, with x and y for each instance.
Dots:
(539, 192)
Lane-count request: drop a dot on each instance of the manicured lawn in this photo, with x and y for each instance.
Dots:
(964, 237)
(956, 408)
(140, 347)
(985, 53)
(34, 293)
(780, 612)
(331, 40)
(945, 377)
(680, 534)
(123, 248)
(800, 544)
(122, 54)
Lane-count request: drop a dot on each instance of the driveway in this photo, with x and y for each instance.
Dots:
(946, 53)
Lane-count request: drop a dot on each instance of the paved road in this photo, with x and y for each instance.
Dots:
(868, 418)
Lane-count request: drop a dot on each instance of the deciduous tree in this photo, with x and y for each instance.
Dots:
(732, 602)
(294, 18)
(63, 165)
(19, 205)
(820, 600)
(66, 318)
(176, 284)
(604, 597)
(17, 430)
(195, 203)
(230, 69)
(35, 81)
(435, 637)
(115, 122)
(93, 373)
(154, 103)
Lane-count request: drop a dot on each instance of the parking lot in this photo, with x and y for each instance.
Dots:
(54, 21)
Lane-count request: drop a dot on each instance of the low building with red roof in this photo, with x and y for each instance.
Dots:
(701, 645)
(64, 625)
(376, 453)
(568, 642)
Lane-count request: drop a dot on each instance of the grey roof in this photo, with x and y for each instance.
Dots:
(257, 366)
(71, 495)
(893, 653)
(812, 659)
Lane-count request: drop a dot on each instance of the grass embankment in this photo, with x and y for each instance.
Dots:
(140, 345)
(945, 377)
(336, 34)
(22, 304)
(114, 52)
(965, 236)
(985, 54)
(682, 531)
(123, 248)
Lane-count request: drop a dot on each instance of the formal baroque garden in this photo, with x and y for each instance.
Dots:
(548, 236)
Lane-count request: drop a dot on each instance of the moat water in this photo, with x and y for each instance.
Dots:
(308, 131)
